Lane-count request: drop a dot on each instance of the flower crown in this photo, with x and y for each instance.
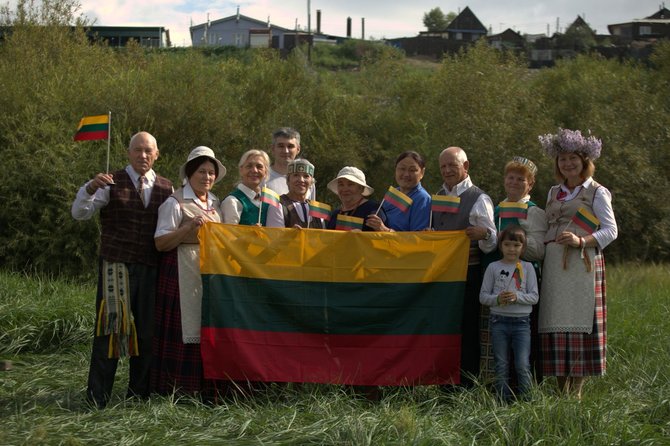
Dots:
(568, 141)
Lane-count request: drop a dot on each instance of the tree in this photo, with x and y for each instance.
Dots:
(435, 20)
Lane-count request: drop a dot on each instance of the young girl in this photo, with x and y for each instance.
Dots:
(510, 289)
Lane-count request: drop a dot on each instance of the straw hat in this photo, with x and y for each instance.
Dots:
(202, 151)
(354, 175)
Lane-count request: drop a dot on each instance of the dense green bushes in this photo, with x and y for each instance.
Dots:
(482, 100)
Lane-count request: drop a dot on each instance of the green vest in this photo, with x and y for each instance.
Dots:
(249, 215)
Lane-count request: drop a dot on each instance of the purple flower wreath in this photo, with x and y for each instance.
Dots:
(567, 141)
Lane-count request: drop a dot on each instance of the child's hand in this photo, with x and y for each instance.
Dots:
(506, 298)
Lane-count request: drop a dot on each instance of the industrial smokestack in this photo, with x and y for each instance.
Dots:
(318, 21)
(362, 28)
(349, 27)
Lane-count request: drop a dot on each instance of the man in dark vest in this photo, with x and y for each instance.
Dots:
(475, 216)
(128, 201)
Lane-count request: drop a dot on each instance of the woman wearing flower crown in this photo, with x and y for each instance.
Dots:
(573, 311)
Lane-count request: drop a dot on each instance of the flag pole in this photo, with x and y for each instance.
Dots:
(260, 206)
(380, 206)
(109, 136)
(430, 220)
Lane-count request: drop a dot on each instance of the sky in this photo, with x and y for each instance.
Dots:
(383, 18)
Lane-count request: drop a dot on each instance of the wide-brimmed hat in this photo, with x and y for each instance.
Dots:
(300, 165)
(198, 152)
(353, 174)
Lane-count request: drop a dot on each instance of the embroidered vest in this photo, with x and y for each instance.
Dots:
(559, 213)
(291, 217)
(190, 210)
(127, 226)
(443, 221)
(249, 215)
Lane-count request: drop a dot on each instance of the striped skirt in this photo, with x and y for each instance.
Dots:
(580, 354)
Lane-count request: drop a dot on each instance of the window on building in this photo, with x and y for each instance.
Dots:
(645, 30)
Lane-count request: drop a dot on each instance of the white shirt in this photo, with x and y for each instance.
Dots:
(232, 208)
(481, 213)
(85, 205)
(170, 213)
(602, 209)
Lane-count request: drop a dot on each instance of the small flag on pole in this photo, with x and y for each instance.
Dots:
(586, 220)
(445, 203)
(397, 199)
(319, 210)
(92, 128)
(347, 223)
(518, 275)
(511, 209)
(270, 197)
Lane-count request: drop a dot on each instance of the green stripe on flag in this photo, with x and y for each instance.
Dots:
(336, 308)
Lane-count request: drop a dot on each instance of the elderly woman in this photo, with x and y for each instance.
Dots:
(243, 205)
(581, 223)
(177, 365)
(517, 209)
(353, 191)
(409, 170)
(294, 209)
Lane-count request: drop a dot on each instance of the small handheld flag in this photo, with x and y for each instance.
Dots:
(347, 223)
(397, 199)
(511, 209)
(445, 203)
(518, 275)
(92, 128)
(319, 210)
(586, 220)
(270, 197)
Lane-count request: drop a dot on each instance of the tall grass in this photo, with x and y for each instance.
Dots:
(41, 399)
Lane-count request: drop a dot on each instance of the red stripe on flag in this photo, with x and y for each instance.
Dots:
(513, 214)
(397, 203)
(90, 136)
(450, 209)
(304, 357)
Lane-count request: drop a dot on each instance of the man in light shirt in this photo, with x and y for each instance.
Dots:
(285, 148)
(128, 201)
(475, 216)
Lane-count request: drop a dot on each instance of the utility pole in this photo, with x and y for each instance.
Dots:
(309, 32)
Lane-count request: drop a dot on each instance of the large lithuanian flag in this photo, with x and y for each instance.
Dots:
(344, 307)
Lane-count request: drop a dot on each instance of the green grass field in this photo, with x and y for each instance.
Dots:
(45, 331)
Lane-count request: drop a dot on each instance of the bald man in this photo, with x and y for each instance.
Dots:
(128, 201)
(475, 216)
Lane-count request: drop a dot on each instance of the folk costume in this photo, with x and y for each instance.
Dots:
(177, 365)
(475, 209)
(242, 206)
(573, 314)
(127, 278)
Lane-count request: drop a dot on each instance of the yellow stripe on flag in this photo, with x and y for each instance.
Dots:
(333, 256)
(89, 120)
